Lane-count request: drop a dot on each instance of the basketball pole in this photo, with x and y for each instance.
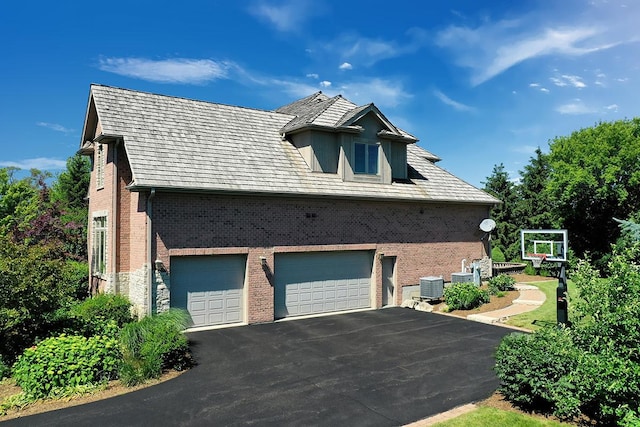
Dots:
(561, 297)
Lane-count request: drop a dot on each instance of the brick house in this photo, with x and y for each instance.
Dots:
(243, 216)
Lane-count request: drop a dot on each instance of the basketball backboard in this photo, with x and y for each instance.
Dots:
(551, 245)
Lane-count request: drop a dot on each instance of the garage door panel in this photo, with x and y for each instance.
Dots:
(320, 282)
(209, 287)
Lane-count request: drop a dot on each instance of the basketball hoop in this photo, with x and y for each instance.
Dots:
(537, 259)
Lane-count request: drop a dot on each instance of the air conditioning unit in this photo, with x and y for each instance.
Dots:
(431, 287)
(461, 277)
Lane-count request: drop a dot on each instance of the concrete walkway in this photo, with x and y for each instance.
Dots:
(530, 298)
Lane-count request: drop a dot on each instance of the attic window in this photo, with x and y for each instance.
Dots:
(365, 158)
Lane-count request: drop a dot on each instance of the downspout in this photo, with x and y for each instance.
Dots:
(149, 254)
(114, 218)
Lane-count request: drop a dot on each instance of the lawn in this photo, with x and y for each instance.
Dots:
(546, 314)
(487, 416)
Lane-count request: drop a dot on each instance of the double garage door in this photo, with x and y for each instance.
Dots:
(211, 288)
(322, 282)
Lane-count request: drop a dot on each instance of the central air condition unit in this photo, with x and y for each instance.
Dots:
(461, 277)
(431, 287)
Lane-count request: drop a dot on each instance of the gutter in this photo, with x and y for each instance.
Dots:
(152, 194)
(267, 193)
(114, 216)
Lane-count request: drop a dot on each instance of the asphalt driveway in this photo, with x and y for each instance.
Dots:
(375, 368)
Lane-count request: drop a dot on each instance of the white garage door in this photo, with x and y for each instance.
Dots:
(322, 282)
(209, 287)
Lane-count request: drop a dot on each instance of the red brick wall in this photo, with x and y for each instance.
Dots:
(427, 239)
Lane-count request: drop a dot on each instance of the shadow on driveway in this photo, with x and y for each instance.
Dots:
(375, 368)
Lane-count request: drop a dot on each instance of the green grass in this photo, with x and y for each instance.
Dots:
(487, 416)
(546, 313)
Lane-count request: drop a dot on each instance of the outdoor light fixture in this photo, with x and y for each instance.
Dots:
(160, 266)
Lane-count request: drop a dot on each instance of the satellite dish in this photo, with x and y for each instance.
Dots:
(487, 225)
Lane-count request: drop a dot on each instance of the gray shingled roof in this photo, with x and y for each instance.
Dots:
(187, 145)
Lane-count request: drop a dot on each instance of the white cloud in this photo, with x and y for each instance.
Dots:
(177, 70)
(384, 93)
(313, 76)
(493, 48)
(568, 80)
(41, 163)
(289, 16)
(54, 126)
(354, 48)
(612, 107)
(325, 83)
(575, 108)
(345, 66)
(538, 87)
(450, 102)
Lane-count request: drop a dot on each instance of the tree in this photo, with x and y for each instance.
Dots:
(72, 185)
(507, 224)
(535, 209)
(595, 176)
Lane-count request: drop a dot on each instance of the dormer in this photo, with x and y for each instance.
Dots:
(360, 144)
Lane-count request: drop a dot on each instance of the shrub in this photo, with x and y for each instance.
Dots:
(35, 283)
(101, 314)
(154, 344)
(497, 255)
(534, 371)
(464, 296)
(66, 361)
(593, 368)
(501, 283)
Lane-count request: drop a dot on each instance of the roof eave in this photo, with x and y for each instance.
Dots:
(332, 129)
(177, 189)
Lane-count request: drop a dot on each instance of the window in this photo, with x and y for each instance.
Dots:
(99, 164)
(365, 158)
(99, 245)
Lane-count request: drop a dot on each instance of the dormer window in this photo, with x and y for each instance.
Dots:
(366, 158)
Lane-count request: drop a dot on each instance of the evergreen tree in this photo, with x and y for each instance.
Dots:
(506, 236)
(535, 209)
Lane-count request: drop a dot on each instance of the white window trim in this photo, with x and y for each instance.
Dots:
(99, 243)
(366, 162)
(99, 166)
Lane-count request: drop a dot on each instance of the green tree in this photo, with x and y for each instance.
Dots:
(19, 199)
(535, 208)
(595, 176)
(72, 185)
(506, 235)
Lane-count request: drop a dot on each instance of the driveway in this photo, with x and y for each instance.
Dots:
(376, 368)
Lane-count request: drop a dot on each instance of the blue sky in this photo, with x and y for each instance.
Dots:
(479, 83)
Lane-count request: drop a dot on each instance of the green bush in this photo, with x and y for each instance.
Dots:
(501, 283)
(154, 344)
(35, 284)
(465, 296)
(66, 361)
(101, 314)
(497, 255)
(534, 371)
(592, 368)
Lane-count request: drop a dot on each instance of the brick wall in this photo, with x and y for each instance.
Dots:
(426, 239)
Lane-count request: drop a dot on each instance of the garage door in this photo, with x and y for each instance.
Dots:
(322, 282)
(209, 287)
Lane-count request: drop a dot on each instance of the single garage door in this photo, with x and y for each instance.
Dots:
(322, 282)
(209, 287)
